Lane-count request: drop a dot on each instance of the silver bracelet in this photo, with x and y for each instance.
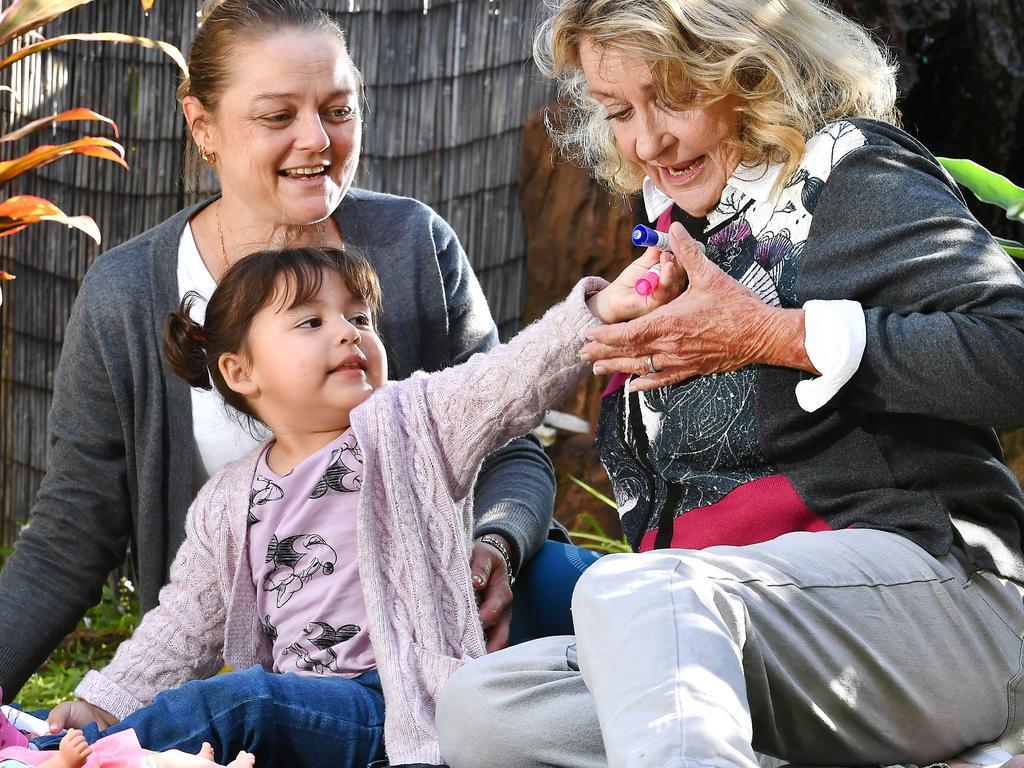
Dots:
(503, 551)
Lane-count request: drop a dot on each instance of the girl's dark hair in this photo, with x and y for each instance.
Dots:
(194, 350)
(225, 24)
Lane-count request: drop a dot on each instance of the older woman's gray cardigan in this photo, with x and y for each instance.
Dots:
(122, 462)
(422, 442)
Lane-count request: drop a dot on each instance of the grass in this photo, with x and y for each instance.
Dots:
(90, 646)
(594, 536)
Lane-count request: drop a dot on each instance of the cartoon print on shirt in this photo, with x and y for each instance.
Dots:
(344, 472)
(316, 648)
(296, 560)
(269, 629)
(263, 491)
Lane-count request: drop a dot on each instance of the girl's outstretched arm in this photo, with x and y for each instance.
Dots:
(498, 395)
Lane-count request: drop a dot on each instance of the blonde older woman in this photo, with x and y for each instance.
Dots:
(803, 451)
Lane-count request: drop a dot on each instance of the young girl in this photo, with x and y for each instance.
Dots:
(340, 546)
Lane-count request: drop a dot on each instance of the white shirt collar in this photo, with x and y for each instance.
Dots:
(655, 201)
(753, 181)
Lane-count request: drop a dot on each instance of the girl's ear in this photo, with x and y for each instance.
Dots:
(198, 120)
(237, 374)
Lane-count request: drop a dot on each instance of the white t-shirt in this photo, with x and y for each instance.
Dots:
(217, 427)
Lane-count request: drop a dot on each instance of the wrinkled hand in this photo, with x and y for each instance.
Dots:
(493, 593)
(77, 714)
(618, 301)
(715, 325)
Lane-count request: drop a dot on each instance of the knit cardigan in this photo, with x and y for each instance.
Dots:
(121, 466)
(423, 441)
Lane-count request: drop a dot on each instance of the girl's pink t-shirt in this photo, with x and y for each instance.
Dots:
(302, 550)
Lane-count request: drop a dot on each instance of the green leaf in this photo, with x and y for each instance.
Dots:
(600, 543)
(988, 186)
(1012, 247)
(594, 492)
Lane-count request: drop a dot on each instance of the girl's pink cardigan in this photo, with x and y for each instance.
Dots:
(423, 440)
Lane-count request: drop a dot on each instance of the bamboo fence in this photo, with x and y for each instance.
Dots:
(449, 85)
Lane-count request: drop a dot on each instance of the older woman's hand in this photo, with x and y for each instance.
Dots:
(715, 325)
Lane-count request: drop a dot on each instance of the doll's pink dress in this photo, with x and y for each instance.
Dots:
(118, 750)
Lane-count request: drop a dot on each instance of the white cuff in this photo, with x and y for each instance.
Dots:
(834, 336)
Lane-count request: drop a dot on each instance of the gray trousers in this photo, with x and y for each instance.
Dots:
(851, 647)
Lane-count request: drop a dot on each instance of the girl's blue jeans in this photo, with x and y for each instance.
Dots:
(305, 720)
(282, 719)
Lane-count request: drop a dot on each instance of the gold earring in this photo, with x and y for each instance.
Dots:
(208, 157)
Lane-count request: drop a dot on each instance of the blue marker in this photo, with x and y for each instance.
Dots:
(645, 237)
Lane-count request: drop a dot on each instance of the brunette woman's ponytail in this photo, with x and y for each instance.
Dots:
(185, 345)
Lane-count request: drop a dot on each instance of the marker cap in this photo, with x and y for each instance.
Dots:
(652, 278)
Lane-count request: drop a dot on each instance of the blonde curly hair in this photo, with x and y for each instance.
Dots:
(794, 66)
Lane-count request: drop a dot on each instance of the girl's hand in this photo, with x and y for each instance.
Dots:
(619, 301)
(715, 325)
(77, 714)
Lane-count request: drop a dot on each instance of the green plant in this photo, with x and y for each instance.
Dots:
(595, 537)
(90, 646)
(990, 187)
(19, 20)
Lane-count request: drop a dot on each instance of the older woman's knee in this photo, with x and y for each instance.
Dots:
(623, 575)
(511, 706)
(466, 718)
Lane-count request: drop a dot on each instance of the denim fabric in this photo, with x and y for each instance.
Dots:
(282, 719)
(543, 591)
(304, 720)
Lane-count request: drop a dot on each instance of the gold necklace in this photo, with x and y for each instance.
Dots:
(220, 234)
(223, 250)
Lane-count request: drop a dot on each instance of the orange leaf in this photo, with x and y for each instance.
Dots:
(4, 276)
(24, 15)
(20, 211)
(147, 5)
(78, 113)
(94, 146)
(107, 37)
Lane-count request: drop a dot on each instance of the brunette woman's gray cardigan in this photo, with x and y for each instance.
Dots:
(121, 464)
(423, 441)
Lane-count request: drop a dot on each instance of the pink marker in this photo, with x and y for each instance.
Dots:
(645, 285)
(650, 238)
